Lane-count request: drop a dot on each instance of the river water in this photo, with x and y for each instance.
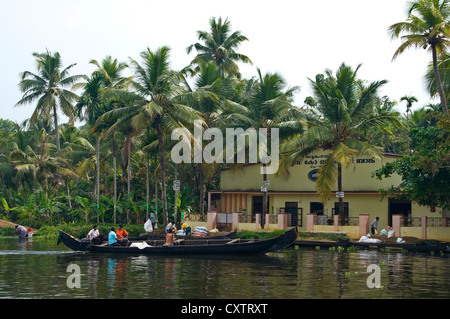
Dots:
(39, 268)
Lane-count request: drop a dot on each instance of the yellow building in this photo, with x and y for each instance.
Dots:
(241, 192)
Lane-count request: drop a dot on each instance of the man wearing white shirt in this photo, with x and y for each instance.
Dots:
(93, 235)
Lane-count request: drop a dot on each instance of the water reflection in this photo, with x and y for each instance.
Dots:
(39, 270)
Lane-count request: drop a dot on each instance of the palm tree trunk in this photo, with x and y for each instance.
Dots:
(175, 209)
(156, 193)
(341, 200)
(202, 191)
(68, 194)
(129, 169)
(438, 81)
(147, 186)
(115, 182)
(55, 117)
(163, 170)
(264, 205)
(97, 151)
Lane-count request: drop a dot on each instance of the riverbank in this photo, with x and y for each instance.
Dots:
(317, 240)
(382, 243)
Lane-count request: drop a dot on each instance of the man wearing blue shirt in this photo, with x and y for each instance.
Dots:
(153, 220)
(112, 237)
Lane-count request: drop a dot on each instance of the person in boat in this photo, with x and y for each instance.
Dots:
(121, 236)
(169, 238)
(186, 228)
(94, 236)
(112, 237)
(22, 231)
(169, 226)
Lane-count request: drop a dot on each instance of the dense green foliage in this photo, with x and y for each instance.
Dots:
(115, 166)
(426, 173)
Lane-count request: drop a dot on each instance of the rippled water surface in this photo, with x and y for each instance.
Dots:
(39, 269)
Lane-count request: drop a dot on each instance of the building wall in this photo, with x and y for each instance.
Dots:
(361, 190)
(357, 177)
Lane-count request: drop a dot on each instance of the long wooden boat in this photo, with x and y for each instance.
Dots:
(82, 245)
(206, 246)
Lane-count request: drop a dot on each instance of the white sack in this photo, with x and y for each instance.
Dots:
(148, 226)
(140, 245)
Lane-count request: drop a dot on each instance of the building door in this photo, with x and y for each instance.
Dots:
(342, 216)
(257, 205)
(292, 208)
(336, 209)
(399, 207)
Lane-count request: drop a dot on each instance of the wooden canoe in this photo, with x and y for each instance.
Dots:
(82, 245)
(187, 246)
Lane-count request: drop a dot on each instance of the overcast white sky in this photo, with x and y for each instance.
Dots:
(297, 39)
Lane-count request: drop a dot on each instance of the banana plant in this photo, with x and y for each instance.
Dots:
(85, 208)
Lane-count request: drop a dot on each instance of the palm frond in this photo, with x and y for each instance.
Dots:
(326, 180)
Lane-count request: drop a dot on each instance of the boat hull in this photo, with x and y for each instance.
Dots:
(226, 246)
(81, 245)
(72, 242)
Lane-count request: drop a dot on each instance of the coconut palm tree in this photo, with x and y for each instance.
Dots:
(42, 164)
(444, 75)
(220, 46)
(159, 100)
(409, 102)
(390, 137)
(270, 105)
(93, 102)
(218, 110)
(48, 88)
(345, 103)
(427, 26)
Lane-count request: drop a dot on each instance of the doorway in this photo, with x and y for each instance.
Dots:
(343, 217)
(336, 209)
(292, 208)
(257, 205)
(399, 207)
